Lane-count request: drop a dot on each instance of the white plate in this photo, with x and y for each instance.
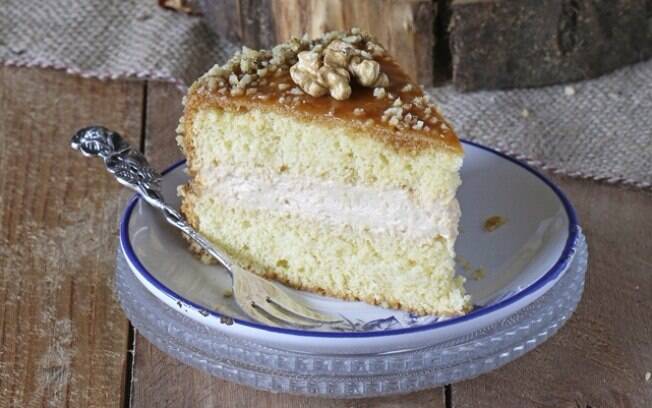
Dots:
(521, 260)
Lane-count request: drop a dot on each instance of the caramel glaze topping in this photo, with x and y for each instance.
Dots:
(399, 114)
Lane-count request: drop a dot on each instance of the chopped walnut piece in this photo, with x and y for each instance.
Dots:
(394, 111)
(338, 54)
(330, 64)
(233, 79)
(245, 80)
(368, 73)
(212, 84)
(407, 88)
(296, 91)
(493, 223)
(177, 5)
(380, 93)
(305, 73)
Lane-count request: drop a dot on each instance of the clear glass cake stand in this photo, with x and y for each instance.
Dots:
(351, 376)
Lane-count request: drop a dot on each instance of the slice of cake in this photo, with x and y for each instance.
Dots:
(320, 164)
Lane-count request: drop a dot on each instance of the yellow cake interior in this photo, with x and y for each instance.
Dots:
(327, 204)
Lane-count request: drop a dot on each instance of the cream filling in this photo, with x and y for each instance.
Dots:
(381, 211)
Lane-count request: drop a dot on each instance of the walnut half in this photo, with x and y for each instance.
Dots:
(330, 69)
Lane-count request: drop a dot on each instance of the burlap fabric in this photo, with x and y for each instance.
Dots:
(599, 129)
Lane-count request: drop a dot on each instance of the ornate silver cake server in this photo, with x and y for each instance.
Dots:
(259, 298)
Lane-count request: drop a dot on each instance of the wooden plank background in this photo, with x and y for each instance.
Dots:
(64, 341)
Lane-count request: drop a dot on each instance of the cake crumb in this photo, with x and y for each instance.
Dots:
(569, 90)
(228, 293)
(493, 223)
(464, 263)
(648, 375)
(478, 274)
(226, 320)
(237, 92)
(525, 113)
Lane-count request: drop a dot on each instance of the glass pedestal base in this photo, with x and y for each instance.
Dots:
(351, 376)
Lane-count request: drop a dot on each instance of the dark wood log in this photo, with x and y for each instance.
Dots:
(509, 43)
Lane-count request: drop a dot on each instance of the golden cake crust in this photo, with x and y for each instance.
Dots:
(398, 114)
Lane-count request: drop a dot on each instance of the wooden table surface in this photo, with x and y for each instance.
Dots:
(65, 342)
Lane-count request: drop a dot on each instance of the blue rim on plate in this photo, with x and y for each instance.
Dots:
(550, 275)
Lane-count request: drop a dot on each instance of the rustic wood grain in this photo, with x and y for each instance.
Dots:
(249, 22)
(163, 111)
(599, 359)
(504, 44)
(63, 338)
(161, 381)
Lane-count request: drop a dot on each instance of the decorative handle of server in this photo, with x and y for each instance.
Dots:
(131, 169)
